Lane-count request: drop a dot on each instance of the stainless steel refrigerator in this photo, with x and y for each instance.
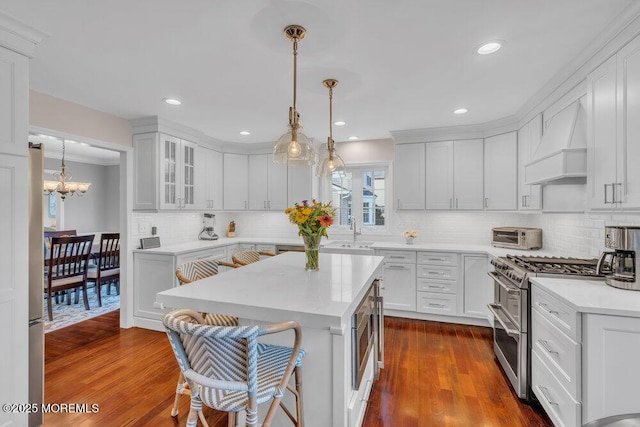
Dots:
(36, 288)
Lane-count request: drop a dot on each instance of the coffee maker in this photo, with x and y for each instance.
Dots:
(208, 223)
(619, 264)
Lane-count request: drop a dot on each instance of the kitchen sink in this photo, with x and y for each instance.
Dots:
(348, 247)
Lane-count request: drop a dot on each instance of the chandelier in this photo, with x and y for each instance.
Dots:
(63, 186)
(332, 163)
(294, 145)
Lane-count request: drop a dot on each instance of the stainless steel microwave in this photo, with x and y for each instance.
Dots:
(517, 238)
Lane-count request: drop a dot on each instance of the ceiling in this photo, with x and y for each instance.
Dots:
(401, 65)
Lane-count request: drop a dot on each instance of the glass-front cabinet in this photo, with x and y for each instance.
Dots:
(178, 168)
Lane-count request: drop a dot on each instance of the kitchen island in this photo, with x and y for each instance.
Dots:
(279, 289)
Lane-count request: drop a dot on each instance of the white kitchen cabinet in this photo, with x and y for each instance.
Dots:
(236, 181)
(454, 174)
(213, 179)
(169, 173)
(501, 172)
(610, 356)
(153, 273)
(267, 183)
(613, 91)
(409, 182)
(437, 283)
(399, 283)
(299, 180)
(477, 286)
(529, 137)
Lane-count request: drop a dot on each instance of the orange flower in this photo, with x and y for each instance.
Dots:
(325, 220)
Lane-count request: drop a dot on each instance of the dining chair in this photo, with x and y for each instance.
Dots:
(67, 267)
(229, 370)
(187, 273)
(248, 256)
(47, 235)
(107, 267)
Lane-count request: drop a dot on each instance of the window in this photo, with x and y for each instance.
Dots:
(360, 193)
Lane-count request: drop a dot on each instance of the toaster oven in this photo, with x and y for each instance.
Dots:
(517, 238)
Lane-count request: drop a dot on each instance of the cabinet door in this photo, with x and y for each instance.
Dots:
(258, 183)
(529, 137)
(169, 172)
(409, 180)
(146, 172)
(468, 172)
(611, 346)
(214, 177)
(191, 167)
(399, 289)
(628, 147)
(439, 175)
(601, 134)
(298, 183)
(236, 180)
(277, 185)
(478, 290)
(501, 172)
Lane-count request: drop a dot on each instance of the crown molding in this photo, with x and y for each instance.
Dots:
(448, 133)
(19, 36)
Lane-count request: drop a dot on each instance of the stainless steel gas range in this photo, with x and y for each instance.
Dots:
(512, 309)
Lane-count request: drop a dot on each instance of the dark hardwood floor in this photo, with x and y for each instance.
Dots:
(436, 374)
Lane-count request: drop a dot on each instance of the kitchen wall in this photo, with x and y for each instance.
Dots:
(99, 209)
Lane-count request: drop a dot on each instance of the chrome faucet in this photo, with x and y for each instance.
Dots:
(353, 227)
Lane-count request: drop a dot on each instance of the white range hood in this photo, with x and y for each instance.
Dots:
(561, 157)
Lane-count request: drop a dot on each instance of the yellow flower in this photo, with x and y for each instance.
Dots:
(288, 210)
(301, 217)
(307, 211)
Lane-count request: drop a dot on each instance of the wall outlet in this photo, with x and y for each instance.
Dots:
(143, 228)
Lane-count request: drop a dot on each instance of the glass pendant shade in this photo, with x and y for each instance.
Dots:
(298, 151)
(330, 165)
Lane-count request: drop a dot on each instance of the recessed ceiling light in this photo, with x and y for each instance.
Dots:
(460, 111)
(245, 133)
(353, 138)
(172, 101)
(490, 47)
(339, 123)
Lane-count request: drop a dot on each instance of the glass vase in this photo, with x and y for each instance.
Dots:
(409, 240)
(311, 250)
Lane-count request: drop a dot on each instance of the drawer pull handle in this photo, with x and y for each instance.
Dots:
(436, 287)
(396, 267)
(436, 259)
(545, 344)
(431, 304)
(545, 393)
(546, 307)
(396, 257)
(440, 273)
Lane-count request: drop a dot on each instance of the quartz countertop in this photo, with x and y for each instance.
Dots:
(279, 288)
(592, 296)
(198, 245)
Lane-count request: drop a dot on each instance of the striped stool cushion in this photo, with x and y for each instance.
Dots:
(245, 257)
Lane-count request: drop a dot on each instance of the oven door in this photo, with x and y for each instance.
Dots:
(509, 298)
(510, 347)
(362, 337)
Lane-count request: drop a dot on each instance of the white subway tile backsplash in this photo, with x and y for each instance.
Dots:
(580, 235)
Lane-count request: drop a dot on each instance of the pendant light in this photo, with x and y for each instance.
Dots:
(294, 146)
(332, 163)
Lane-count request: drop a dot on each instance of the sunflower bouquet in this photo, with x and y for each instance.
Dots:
(312, 220)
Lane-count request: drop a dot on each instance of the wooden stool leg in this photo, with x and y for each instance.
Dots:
(298, 379)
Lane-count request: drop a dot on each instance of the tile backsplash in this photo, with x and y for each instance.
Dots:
(580, 235)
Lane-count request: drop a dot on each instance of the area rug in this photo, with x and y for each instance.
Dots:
(66, 315)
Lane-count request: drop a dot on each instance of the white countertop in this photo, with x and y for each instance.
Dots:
(592, 296)
(197, 245)
(278, 288)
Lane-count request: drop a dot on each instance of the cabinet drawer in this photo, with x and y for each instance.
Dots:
(437, 272)
(558, 313)
(218, 253)
(436, 303)
(561, 354)
(397, 256)
(440, 286)
(558, 404)
(438, 258)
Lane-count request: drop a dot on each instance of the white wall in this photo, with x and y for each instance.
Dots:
(98, 209)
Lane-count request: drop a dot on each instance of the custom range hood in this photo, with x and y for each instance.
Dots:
(561, 157)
